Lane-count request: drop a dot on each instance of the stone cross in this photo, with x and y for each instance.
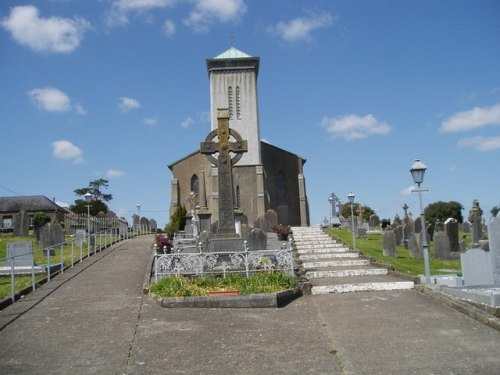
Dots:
(224, 163)
(405, 209)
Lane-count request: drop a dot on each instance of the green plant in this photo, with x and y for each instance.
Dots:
(177, 220)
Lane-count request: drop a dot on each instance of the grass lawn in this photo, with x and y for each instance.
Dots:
(262, 282)
(372, 246)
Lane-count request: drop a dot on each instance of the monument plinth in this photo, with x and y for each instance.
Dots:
(226, 238)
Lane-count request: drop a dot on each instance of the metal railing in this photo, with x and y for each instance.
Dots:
(55, 259)
(222, 263)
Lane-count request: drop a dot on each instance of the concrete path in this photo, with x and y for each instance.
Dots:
(95, 320)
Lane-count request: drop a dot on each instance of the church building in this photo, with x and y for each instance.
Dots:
(265, 178)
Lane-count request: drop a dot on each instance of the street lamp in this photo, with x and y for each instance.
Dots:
(417, 172)
(139, 211)
(351, 196)
(88, 198)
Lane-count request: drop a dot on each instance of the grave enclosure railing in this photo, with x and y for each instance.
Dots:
(244, 261)
(55, 259)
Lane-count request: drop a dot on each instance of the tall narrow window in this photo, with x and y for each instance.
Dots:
(230, 101)
(280, 188)
(195, 187)
(238, 103)
(237, 202)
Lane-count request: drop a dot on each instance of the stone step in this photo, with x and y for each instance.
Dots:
(318, 256)
(307, 246)
(345, 272)
(364, 287)
(318, 243)
(335, 263)
(315, 250)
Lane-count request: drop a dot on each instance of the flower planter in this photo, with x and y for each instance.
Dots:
(224, 293)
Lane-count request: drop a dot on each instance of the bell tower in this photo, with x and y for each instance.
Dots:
(233, 85)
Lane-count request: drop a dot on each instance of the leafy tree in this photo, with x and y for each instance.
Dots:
(442, 211)
(346, 210)
(97, 205)
(177, 220)
(39, 220)
(495, 210)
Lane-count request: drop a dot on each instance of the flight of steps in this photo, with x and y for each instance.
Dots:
(331, 267)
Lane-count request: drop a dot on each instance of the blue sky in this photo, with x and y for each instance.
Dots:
(118, 89)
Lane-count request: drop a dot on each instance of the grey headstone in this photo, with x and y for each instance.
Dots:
(476, 267)
(389, 244)
(80, 236)
(439, 227)
(398, 231)
(51, 234)
(451, 229)
(414, 246)
(417, 225)
(406, 234)
(362, 232)
(257, 239)
(23, 253)
(270, 220)
(494, 244)
(442, 245)
(21, 224)
(374, 221)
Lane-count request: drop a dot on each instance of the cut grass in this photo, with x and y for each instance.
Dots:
(372, 246)
(262, 282)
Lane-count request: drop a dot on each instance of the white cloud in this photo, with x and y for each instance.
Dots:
(66, 150)
(476, 118)
(408, 190)
(54, 34)
(187, 123)
(209, 11)
(151, 121)
(113, 173)
(301, 28)
(118, 15)
(50, 99)
(126, 104)
(480, 143)
(353, 127)
(169, 28)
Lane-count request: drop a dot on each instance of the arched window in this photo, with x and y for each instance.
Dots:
(195, 186)
(281, 188)
(238, 103)
(230, 101)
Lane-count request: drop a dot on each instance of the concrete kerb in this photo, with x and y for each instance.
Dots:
(461, 305)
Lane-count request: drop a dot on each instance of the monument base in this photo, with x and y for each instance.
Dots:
(225, 245)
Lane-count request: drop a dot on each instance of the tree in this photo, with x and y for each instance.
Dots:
(96, 203)
(442, 211)
(494, 211)
(177, 220)
(346, 210)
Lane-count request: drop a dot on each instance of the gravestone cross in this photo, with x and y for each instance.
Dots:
(224, 163)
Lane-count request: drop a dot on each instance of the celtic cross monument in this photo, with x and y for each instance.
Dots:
(224, 162)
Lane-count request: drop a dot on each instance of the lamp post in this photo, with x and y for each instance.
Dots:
(351, 196)
(139, 213)
(88, 198)
(417, 172)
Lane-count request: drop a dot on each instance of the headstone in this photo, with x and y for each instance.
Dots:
(362, 232)
(475, 219)
(406, 234)
(439, 226)
(23, 253)
(21, 224)
(374, 221)
(270, 220)
(51, 234)
(398, 231)
(257, 239)
(417, 225)
(389, 244)
(80, 236)
(451, 229)
(385, 223)
(414, 246)
(494, 245)
(442, 245)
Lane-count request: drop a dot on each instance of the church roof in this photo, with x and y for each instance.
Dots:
(232, 53)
